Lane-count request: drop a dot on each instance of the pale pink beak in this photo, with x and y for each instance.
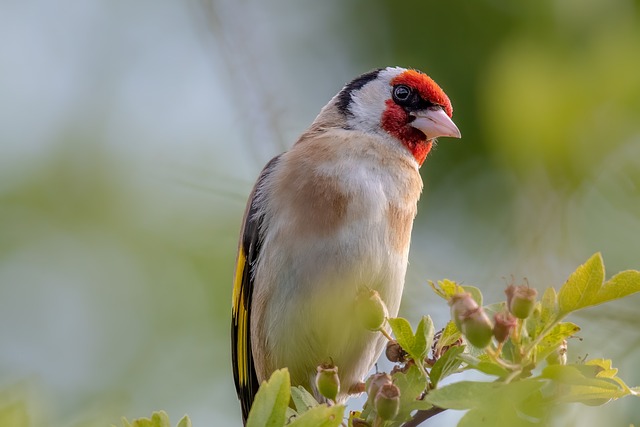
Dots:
(434, 122)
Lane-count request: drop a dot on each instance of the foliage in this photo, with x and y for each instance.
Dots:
(271, 406)
(158, 419)
(528, 374)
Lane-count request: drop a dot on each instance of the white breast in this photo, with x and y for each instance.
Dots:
(306, 281)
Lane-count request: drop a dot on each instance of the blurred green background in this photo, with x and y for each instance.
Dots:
(131, 134)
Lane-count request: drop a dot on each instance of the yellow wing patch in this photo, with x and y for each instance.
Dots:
(237, 282)
(240, 313)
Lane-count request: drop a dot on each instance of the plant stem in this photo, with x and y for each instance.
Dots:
(384, 332)
(495, 356)
(422, 416)
(512, 375)
(540, 337)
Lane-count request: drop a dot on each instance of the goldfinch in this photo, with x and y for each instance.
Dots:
(326, 219)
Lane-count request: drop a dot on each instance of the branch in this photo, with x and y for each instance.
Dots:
(423, 415)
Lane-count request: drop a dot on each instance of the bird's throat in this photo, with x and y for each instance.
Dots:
(396, 122)
(420, 150)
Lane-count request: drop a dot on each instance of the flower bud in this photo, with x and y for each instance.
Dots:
(521, 300)
(504, 324)
(327, 381)
(394, 352)
(370, 309)
(461, 304)
(375, 382)
(477, 328)
(387, 402)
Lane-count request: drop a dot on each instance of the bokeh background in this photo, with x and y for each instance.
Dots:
(131, 134)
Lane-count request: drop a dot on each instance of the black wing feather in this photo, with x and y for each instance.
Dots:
(244, 373)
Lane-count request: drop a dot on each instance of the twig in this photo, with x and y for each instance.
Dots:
(422, 416)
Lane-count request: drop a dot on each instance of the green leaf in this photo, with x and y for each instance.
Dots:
(449, 336)
(321, 416)
(302, 399)
(417, 346)
(447, 364)
(518, 404)
(589, 395)
(401, 329)
(461, 395)
(619, 286)
(495, 416)
(411, 384)
(572, 375)
(554, 338)
(592, 383)
(184, 422)
(158, 419)
(472, 394)
(548, 306)
(604, 368)
(511, 352)
(271, 402)
(424, 337)
(544, 314)
(582, 287)
(484, 365)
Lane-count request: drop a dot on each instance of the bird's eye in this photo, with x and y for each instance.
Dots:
(401, 93)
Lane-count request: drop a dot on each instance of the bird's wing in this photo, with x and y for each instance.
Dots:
(244, 372)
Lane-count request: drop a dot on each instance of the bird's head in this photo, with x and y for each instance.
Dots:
(405, 104)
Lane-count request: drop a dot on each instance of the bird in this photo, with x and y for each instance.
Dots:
(326, 219)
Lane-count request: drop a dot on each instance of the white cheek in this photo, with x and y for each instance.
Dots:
(369, 102)
(367, 106)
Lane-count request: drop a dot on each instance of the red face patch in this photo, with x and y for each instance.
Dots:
(428, 89)
(394, 121)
